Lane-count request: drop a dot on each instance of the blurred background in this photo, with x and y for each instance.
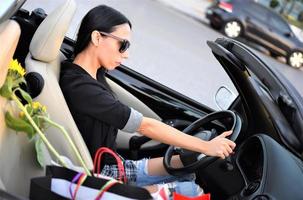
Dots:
(169, 38)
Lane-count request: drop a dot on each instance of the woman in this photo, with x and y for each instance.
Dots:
(102, 44)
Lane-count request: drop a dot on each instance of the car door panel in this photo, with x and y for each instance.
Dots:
(158, 97)
(279, 29)
(123, 138)
(258, 28)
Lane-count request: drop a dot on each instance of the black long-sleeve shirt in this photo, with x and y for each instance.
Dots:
(96, 111)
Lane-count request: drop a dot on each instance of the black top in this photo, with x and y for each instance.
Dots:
(96, 111)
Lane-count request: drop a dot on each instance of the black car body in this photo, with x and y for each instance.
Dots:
(268, 160)
(259, 24)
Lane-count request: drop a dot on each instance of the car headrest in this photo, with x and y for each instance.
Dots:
(9, 37)
(47, 40)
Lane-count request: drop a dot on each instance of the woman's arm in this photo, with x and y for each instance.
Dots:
(219, 146)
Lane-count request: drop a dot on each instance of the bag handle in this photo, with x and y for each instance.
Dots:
(106, 187)
(80, 178)
(97, 162)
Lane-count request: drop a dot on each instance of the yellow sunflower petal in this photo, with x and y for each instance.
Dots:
(16, 66)
(44, 108)
(36, 104)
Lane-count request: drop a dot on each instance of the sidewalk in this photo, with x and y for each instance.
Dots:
(193, 8)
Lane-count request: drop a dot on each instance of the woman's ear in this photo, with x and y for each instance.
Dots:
(95, 38)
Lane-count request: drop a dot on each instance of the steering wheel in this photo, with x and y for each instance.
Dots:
(200, 160)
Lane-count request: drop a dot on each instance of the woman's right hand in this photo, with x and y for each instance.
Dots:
(220, 146)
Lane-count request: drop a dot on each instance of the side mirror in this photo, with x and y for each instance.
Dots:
(288, 34)
(224, 98)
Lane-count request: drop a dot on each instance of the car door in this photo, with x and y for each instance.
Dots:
(256, 24)
(280, 33)
(272, 105)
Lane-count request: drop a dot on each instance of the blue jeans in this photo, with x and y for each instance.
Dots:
(184, 185)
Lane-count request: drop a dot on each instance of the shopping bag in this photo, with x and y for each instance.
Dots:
(58, 183)
(163, 194)
(177, 196)
(97, 162)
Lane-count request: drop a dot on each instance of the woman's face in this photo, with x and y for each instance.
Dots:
(108, 53)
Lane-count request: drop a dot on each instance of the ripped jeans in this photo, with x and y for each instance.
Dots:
(136, 172)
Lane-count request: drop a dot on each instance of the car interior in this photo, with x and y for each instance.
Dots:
(260, 168)
(42, 64)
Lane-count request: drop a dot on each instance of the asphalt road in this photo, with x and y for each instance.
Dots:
(171, 48)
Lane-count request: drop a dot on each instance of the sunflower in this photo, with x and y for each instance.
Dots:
(14, 65)
(36, 105)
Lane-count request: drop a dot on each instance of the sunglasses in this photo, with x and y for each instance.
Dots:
(124, 44)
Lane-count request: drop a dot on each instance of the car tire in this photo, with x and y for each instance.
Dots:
(295, 59)
(232, 29)
(214, 26)
(273, 54)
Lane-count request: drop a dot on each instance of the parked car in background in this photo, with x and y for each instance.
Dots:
(255, 22)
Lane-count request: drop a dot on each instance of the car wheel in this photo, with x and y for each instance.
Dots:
(274, 55)
(232, 29)
(295, 59)
(214, 26)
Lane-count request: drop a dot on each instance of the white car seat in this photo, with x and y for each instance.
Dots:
(44, 58)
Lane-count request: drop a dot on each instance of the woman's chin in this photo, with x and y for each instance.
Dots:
(112, 67)
(115, 66)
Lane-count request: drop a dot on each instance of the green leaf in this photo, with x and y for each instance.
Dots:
(29, 109)
(18, 124)
(25, 95)
(37, 121)
(20, 80)
(39, 151)
(6, 89)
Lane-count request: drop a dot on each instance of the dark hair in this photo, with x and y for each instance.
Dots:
(102, 18)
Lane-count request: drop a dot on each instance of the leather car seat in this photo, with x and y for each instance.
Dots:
(44, 58)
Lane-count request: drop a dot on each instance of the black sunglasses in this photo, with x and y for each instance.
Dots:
(124, 44)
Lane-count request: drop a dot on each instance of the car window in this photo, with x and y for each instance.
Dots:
(257, 12)
(279, 24)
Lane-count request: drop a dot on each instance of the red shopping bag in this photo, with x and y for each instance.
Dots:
(177, 196)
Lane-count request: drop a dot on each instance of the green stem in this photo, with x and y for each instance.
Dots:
(44, 139)
(70, 142)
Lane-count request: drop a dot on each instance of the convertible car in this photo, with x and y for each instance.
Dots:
(266, 116)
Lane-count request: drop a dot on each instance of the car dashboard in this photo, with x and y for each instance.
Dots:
(260, 169)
